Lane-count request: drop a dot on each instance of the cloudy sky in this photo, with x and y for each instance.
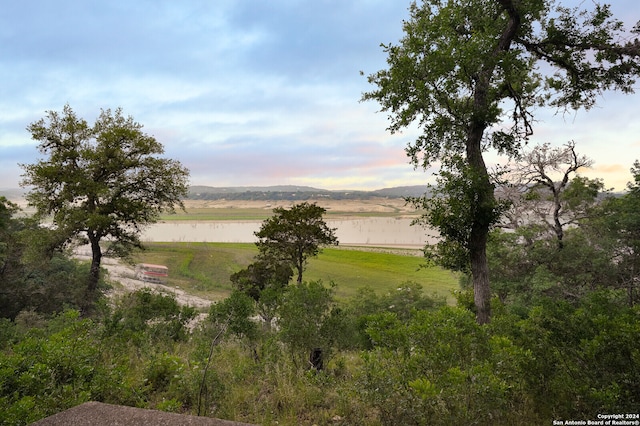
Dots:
(248, 92)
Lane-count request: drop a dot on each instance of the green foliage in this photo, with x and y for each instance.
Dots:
(163, 371)
(233, 316)
(599, 252)
(8, 332)
(7, 225)
(146, 316)
(260, 275)
(453, 209)
(468, 74)
(440, 368)
(523, 270)
(265, 282)
(102, 181)
(309, 319)
(49, 371)
(582, 356)
(561, 361)
(33, 275)
(397, 305)
(581, 194)
(617, 227)
(294, 235)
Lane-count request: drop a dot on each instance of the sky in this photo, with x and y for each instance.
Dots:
(250, 92)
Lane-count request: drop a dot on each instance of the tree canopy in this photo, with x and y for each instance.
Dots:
(293, 235)
(105, 181)
(470, 73)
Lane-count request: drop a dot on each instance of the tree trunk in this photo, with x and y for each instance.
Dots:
(96, 258)
(483, 213)
(483, 210)
(557, 225)
(480, 275)
(300, 266)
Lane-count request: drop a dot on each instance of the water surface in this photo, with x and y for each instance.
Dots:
(376, 231)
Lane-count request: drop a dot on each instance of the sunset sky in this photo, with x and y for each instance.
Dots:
(249, 92)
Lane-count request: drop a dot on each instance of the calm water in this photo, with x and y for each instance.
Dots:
(377, 231)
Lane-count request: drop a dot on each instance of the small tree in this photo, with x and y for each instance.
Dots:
(545, 190)
(264, 281)
(311, 323)
(619, 222)
(105, 181)
(294, 235)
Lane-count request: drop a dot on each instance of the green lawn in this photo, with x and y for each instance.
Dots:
(382, 272)
(204, 268)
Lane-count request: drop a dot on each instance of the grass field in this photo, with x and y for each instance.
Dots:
(204, 269)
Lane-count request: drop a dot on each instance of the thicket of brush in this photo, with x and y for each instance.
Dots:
(397, 358)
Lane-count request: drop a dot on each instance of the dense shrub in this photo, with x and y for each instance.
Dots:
(49, 370)
(440, 367)
(584, 356)
(148, 316)
(436, 366)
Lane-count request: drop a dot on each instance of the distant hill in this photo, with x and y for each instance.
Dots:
(12, 194)
(401, 191)
(297, 193)
(280, 192)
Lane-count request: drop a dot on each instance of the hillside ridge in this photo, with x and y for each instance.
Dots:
(277, 192)
(295, 192)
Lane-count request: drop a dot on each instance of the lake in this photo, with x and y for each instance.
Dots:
(374, 231)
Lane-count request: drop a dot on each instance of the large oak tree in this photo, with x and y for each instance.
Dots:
(101, 182)
(470, 73)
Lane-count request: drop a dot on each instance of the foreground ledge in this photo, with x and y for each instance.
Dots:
(99, 414)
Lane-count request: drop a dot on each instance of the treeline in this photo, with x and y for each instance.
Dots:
(297, 193)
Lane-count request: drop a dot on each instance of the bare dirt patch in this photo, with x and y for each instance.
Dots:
(372, 205)
(125, 281)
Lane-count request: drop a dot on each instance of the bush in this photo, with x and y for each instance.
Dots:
(146, 316)
(402, 303)
(54, 367)
(311, 324)
(586, 355)
(441, 367)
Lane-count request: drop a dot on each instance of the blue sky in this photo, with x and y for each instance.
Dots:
(248, 92)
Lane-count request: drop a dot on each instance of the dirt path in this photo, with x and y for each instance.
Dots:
(125, 276)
